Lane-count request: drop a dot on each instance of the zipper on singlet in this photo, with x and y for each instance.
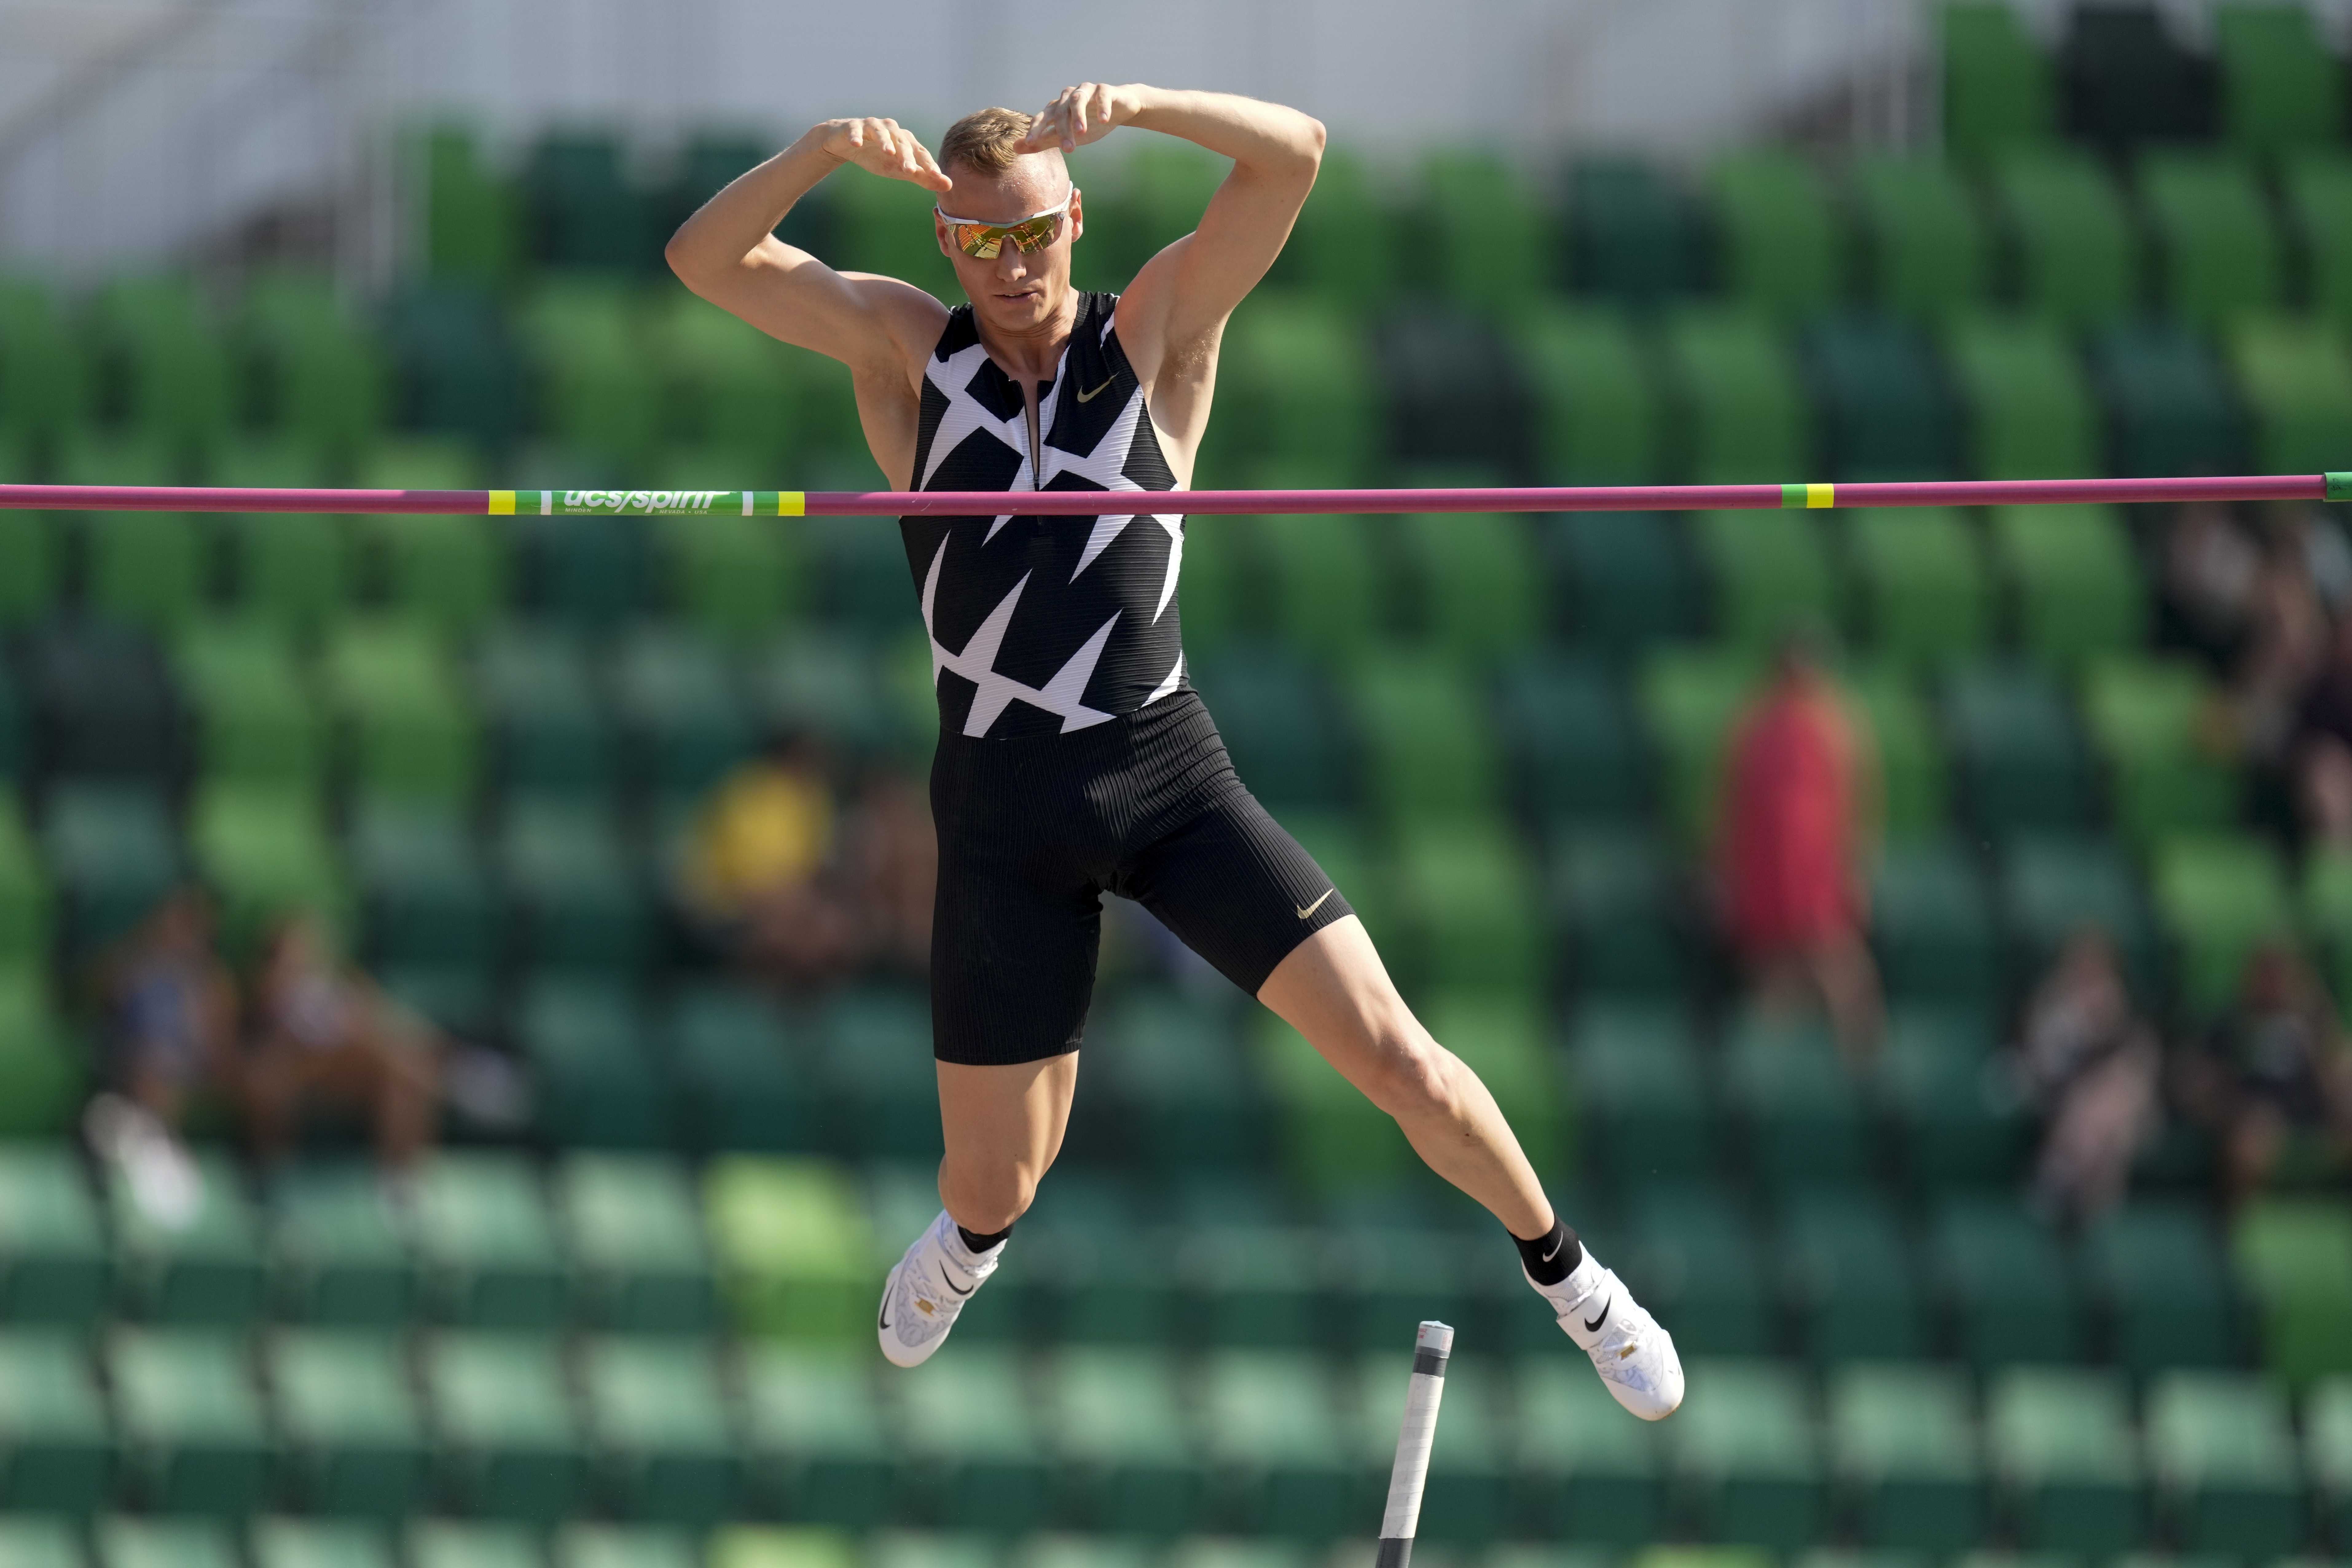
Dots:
(1031, 397)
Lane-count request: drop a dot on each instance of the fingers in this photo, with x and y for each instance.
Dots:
(928, 171)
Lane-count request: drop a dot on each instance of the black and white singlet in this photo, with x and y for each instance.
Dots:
(1074, 757)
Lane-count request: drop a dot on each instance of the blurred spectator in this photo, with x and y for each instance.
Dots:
(169, 1031)
(2286, 647)
(2210, 569)
(2092, 1068)
(2321, 753)
(1793, 841)
(890, 856)
(2274, 1079)
(324, 1033)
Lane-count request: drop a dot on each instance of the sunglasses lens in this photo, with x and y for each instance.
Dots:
(1038, 233)
(978, 240)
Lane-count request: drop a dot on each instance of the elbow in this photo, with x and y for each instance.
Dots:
(680, 258)
(1317, 138)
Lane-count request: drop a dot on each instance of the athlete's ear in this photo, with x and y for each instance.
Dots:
(940, 233)
(1077, 213)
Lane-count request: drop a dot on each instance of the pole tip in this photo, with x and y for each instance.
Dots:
(1435, 1336)
(2339, 486)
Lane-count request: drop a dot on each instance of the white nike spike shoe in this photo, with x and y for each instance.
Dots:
(926, 1290)
(1635, 1357)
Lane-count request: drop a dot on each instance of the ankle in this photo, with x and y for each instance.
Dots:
(978, 1245)
(1551, 1258)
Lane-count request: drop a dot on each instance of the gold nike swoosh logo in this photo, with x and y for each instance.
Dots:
(1317, 904)
(1097, 392)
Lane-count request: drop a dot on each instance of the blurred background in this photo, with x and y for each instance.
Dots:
(463, 1050)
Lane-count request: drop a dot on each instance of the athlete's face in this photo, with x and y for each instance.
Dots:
(1016, 291)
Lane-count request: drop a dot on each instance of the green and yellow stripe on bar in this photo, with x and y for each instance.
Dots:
(647, 503)
(1798, 495)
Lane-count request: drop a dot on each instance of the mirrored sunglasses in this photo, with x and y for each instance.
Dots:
(984, 241)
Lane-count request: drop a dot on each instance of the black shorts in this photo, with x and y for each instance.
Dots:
(1035, 829)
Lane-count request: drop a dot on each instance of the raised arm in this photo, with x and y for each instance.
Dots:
(728, 253)
(1183, 295)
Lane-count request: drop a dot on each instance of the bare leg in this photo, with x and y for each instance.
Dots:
(1334, 990)
(1848, 978)
(1003, 1127)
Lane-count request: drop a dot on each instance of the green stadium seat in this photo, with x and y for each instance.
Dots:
(541, 705)
(32, 555)
(205, 1270)
(2226, 1463)
(144, 569)
(1928, 247)
(2068, 1462)
(2169, 409)
(2214, 242)
(592, 574)
(1772, 576)
(583, 215)
(113, 855)
(1328, 1135)
(2220, 896)
(1503, 1040)
(339, 1248)
(1466, 1498)
(1633, 233)
(1747, 1456)
(460, 372)
(1067, 1551)
(924, 1548)
(2166, 1286)
(45, 375)
(593, 1083)
(126, 1542)
(1848, 1273)
(1181, 1089)
(1688, 700)
(1429, 751)
(683, 722)
(2055, 884)
(101, 707)
(505, 1440)
(347, 1423)
(1931, 921)
(1636, 1076)
(266, 855)
(1883, 408)
(657, 1416)
(1490, 250)
(256, 722)
(42, 1066)
(2328, 1449)
(53, 1252)
(2013, 1296)
(1802, 1110)
(1621, 578)
(1298, 379)
(1997, 91)
(1925, 591)
(1124, 1446)
(424, 898)
(2294, 1261)
(814, 1435)
(1336, 251)
(2326, 911)
(1455, 411)
(1223, 595)
(178, 382)
(587, 347)
(293, 572)
(765, 1546)
(2151, 721)
(792, 1247)
(2297, 383)
(1327, 598)
(1223, 1553)
(734, 579)
(625, 1546)
(735, 1072)
(54, 1452)
(408, 730)
(2076, 587)
(2025, 399)
(1476, 590)
(969, 1419)
(1273, 1437)
(2021, 757)
(1255, 1284)
(489, 1246)
(1778, 237)
(1580, 1472)
(472, 219)
(635, 1239)
(452, 1543)
(1573, 752)
(874, 1058)
(320, 376)
(577, 899)
(1913, 783)
(1695, 1253)
(2313, 188)
(279, 1541)
(1955, 1125)
(728, 388)
(1599, 414)
(2074, 256)
(1747, 420)
(188, 1422)
(1462, 892)
(1902, 1444)
(1278, 722)
(2281, 89)
(447, 571)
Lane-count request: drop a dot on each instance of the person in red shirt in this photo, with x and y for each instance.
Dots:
(1799, 790)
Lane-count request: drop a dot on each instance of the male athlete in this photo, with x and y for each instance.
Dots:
(1074, 757)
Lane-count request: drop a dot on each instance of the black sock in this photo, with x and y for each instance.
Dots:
(1551, 1257)
(982, 1243)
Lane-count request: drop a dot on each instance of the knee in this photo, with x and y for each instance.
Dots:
(986, 1196)
(1411, 1076)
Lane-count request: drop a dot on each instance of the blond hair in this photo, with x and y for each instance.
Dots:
(984, 140)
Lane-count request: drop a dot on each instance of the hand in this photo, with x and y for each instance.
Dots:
(1087, 113)
(883, 147)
